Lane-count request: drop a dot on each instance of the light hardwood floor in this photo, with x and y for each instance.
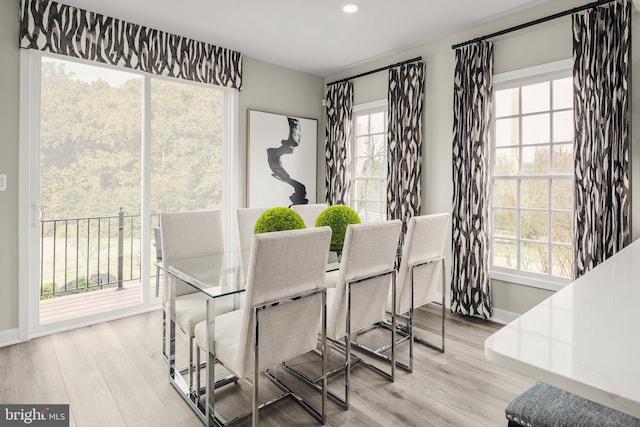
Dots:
(112, 374)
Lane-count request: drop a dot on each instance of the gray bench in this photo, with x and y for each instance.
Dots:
(543, 405)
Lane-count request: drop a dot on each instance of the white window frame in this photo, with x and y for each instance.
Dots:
(358, 110)
(527, 76)
(30, 91)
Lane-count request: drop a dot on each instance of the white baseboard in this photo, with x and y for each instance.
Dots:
(502, 316)
(9, 337)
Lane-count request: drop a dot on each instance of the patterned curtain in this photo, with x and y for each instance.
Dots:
(53, 27)
(404, 135)
(601, 70)
(338, 136)
(472, 109)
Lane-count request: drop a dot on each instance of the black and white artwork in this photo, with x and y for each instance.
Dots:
(282, 160)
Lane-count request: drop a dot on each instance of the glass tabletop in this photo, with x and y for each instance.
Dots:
(216, 275)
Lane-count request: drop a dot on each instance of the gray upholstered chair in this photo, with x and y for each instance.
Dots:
(186, 235)
(545, 405)
(246, 218)
(309, 212)
(285, 278)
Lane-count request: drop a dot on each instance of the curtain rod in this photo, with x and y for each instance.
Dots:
(408, 61)
(534, 22)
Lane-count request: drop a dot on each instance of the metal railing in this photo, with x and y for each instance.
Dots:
(85, 254)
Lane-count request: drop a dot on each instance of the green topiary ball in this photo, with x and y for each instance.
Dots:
(338, 217)
(278, 219)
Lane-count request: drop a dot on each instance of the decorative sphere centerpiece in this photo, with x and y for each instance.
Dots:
(278, 219)
(338, 217)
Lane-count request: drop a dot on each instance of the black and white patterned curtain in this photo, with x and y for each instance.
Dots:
(404, 140)
(472, 110)
(339, 105)
(57, 28)
(601, 70)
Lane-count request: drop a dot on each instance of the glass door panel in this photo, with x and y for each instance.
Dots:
(90, 189)
(186, 146)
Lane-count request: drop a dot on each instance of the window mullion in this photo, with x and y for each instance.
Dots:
(145, 207)
(519, 201)
(550, 189)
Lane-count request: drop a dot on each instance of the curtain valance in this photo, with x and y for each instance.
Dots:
(53, 27)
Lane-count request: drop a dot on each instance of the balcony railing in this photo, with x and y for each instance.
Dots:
(85, 254)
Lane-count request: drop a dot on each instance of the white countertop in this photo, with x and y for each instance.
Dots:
(585, 338)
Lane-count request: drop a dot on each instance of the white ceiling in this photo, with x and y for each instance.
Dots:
(313, 36)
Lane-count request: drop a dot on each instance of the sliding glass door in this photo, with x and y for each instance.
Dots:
(110, 150)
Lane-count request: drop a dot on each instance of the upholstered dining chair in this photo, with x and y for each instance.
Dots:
(421, 269)
(365, 278)
(246, 218)
(186, 235)
(285, 278)
(309, 212)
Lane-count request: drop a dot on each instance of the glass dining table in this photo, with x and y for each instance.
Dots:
(216, 276)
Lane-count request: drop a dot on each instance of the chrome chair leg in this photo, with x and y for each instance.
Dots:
(347, 362)
(164, 334)
(422, 340)
(197, 374)
(256, 369)
(347, 375)
(190, 368)
(411, 339)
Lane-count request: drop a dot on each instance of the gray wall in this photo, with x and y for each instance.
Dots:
(9, 70)
(543, 43)
(266, 88)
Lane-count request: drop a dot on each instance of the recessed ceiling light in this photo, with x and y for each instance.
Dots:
(350, 8)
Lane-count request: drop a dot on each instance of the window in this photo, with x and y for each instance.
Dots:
(369, 161)
(186, 145)
(532, 178)
(92, 140)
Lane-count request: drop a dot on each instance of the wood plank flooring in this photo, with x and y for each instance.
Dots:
(112, 374)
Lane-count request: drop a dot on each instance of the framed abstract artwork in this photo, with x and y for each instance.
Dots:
(281, 161)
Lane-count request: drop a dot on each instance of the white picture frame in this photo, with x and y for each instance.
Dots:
(281, 160)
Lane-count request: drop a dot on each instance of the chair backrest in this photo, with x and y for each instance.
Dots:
(309, 212)
(247, 218)
(424, 241)
(190, 234)
(283, 264)
(369, 250)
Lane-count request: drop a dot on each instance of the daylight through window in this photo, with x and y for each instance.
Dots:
(369, 160)
(532, 181)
